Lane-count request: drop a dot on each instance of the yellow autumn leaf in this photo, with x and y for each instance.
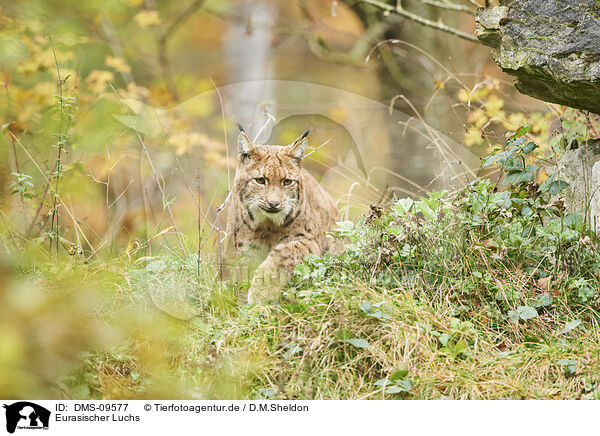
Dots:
(119, 64)
(182, 142)
(478, 118)
(134, 92)
(491, 83)
(493, 107)
(44, 93)
(147, 18)
(470, 96)
(539, 124)
(472, 137)
(98, 79)
(514, 121)
(201, 106)
(439, 84)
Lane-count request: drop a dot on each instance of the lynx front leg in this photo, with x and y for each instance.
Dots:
(272, 274)
(266, 283)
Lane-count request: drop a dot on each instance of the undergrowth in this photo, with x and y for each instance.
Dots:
(490, 292)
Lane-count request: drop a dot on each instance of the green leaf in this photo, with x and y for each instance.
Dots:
(557, 186)
(343, 334)
(516, 177)
(424, 208)
(394, 390)
(570, 365)
(570, 326)
(405, 384)
(526, 211)
(403, 206)
(266, 392)
(529, 147)
(444, 338)
(526, 312)
(358, 343)
(379, 315)
(399, 387)
(520, 132)
(345, 227)
(541, 301)
(366, 307)
(398, 375)
(489, 160)
(514, 316)
(460, 346)
(292, 349)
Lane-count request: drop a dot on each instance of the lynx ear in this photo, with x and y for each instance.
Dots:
(297, 149)
(245, 145)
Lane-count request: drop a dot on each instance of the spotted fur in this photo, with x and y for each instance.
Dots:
(277, 207)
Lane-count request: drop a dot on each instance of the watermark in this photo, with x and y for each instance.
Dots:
(25, 415)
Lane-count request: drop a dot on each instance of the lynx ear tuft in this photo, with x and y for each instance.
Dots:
(298, 148)
(245, 145)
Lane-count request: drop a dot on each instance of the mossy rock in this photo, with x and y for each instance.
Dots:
(551, 47)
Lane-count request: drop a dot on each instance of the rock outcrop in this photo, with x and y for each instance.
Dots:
(551, 47)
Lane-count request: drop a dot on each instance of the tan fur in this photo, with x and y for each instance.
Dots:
(299, 212)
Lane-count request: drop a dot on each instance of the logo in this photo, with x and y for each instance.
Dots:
(26, 415)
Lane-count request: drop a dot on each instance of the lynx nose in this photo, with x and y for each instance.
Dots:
(273, 204)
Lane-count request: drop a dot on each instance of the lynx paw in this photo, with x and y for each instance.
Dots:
(266, 286)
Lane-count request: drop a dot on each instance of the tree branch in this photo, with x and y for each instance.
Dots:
(162, 45)
(449, 6)
(423, 21)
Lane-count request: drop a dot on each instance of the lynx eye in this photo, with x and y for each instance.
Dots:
(260, 180)
(287, 182)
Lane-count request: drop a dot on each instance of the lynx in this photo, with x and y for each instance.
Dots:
(279, 208)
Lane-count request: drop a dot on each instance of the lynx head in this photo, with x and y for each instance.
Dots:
(269, 179)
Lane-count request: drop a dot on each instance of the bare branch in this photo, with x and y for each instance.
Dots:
(449, 6)
(424, 21)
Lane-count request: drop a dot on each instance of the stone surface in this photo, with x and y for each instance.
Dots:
(580, 168)
(551, 47)
(595, 198)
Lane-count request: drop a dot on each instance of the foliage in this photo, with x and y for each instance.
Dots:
(488, 292)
